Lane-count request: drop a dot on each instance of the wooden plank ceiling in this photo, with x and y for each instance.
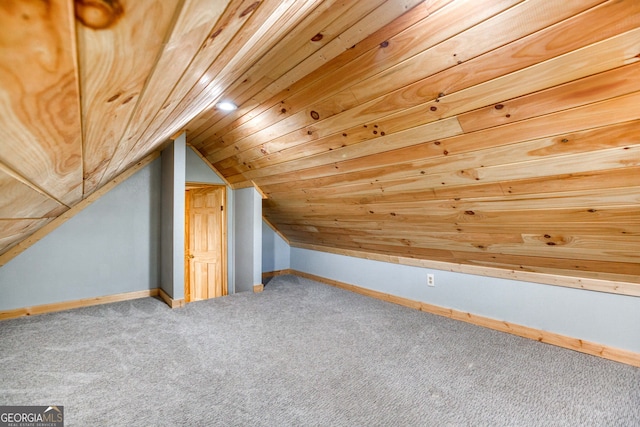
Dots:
(499, 133)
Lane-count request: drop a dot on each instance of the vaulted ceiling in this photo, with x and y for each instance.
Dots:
(498, 133)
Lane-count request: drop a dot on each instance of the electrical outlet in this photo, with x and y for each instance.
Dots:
(431, 281)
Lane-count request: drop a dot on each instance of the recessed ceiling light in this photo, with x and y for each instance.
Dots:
(226, 106)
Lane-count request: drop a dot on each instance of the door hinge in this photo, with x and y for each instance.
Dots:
(221, 207)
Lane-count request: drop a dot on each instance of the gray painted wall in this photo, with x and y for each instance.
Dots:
(592, 316)
(172, 216)
(257, 237)
(110, 247)
(131, 239)
(199, 171)
(276, 253)
(166, 218)
(248, 235)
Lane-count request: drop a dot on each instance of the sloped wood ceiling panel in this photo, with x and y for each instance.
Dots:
(498, 133)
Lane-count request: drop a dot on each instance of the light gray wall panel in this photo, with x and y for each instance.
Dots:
(173, 188)
(248, 239)
(257, 237)
(276, 253)
(199, 171)
(166, 232)
(110, 247)
(598, 317)
(179, 182)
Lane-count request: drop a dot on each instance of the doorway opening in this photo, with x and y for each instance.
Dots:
(205, 241)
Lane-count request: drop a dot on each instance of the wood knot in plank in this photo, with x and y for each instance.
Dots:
(215, 34)
(384, 44)
(550, 240)
(315, 115)
(98, 14)
(317, 37)
(249, 9)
